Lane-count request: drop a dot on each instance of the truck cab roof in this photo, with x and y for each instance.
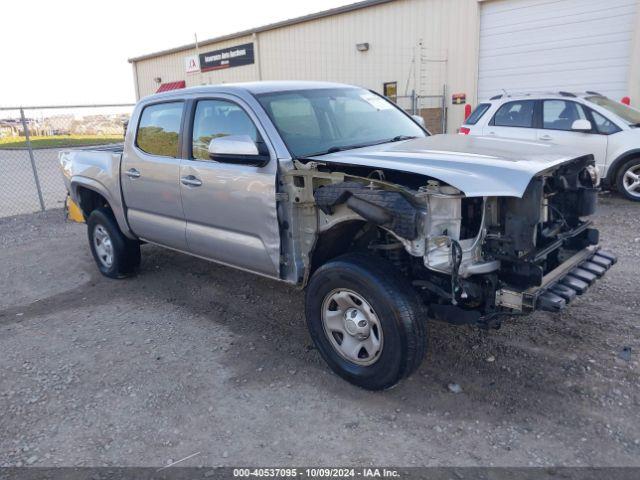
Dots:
(254, 88)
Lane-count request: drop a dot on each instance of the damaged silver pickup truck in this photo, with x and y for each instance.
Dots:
(334, 189)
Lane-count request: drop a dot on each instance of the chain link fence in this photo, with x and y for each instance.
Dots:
(432, 108)
(32, 137)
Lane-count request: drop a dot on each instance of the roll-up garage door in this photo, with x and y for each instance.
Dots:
(552, 45)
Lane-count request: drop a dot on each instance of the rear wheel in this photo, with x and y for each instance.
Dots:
(366, 320)
(628, 181)
(116, 255)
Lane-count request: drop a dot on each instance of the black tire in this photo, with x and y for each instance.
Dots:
(397, 307)
(634, 162)
(125, 257)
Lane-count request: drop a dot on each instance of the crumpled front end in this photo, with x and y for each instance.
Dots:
(474, 259)
(537, 252)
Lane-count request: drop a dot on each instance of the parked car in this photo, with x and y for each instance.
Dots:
(606, 128)
(334, 189)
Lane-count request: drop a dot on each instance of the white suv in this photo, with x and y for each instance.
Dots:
(588, 121)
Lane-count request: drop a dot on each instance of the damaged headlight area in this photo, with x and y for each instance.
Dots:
(473, 259)
(434, 235)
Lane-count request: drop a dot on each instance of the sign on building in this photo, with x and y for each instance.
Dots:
(191, 64)
(390, 90)
(459, 98)
(227, 57)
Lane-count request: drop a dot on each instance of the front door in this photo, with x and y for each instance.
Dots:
(150, 176)
(230, 208)
(558, 117)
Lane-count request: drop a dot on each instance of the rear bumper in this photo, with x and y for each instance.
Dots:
(561, 285)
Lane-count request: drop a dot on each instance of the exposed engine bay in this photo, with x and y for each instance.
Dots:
(473, 259)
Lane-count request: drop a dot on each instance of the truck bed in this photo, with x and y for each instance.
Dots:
(112, 147)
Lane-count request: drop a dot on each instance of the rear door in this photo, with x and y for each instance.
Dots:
(558, 116)
(230, 208)
(150, 176)
(514, 119)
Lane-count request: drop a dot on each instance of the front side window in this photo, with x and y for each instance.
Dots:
(219, 118)
(560, 114)
(515, 114)
(626, 113)
(603, 125)
(477, 114)
(158, 129)
(317, 121)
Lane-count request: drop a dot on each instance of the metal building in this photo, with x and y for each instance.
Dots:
(431, 56)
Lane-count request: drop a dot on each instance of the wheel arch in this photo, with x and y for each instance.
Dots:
(339, 239)
(90, 194)
(612, 172)
(89, 200)
(334, 242)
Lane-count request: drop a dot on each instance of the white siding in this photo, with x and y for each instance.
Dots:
(538, 45)
(325, 49)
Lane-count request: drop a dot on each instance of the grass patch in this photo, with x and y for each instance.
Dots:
(59, 141)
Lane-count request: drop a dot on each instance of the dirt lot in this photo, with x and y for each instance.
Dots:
(193, 358)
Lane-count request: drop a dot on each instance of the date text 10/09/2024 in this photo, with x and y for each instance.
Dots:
(316, 472)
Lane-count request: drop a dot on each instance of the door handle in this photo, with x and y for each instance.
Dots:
(133, 173)
(546, 137)
(191, 181)
(492, 133)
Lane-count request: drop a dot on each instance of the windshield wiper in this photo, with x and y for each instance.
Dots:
(342, 148)
(399, 138)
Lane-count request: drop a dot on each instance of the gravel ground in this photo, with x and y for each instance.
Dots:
(194, 358)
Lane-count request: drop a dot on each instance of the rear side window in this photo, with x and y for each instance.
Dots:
(159, 128)
(477, 114)
(515, 114)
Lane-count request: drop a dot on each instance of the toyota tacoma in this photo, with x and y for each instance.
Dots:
(336, 190)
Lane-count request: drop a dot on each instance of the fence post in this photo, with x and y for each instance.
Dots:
(414, 103)
(444, 109)
(33, 163)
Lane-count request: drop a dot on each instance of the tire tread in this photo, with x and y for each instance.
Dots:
(410, 310)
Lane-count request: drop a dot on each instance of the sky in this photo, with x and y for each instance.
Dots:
(75, 52)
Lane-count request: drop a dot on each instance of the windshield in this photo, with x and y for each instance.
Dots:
(628, 114)
(318, 121)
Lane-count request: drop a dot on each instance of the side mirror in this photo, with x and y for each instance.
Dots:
(240, 149)
(419, 120)
(581, 126)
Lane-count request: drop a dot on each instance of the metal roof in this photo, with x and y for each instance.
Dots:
(165, 87)
(272, 26)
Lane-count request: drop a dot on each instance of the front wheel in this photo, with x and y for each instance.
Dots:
(628, 181)
(366, 321)
(116, 255)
